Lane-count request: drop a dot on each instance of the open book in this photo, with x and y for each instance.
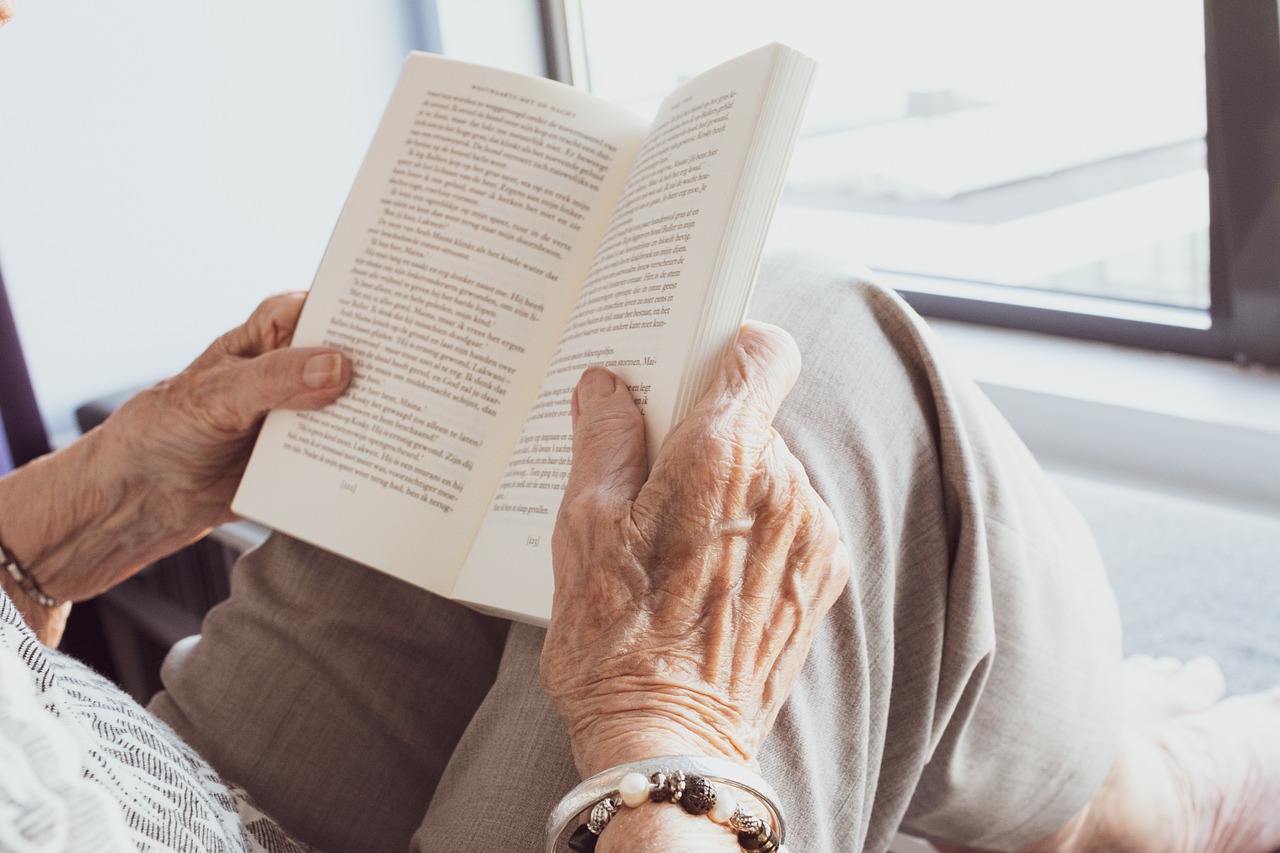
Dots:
(504, 233)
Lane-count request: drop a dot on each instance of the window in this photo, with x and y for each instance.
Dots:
(1097, 169)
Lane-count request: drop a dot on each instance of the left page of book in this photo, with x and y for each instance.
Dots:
(448, 278)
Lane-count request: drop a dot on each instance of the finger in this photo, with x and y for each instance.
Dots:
(813, 575)
(785, 511)
(270, 327)
(758, 371)
(609, 456)
(286, 379)
(729, 429)
(828, 577)
(752, 380)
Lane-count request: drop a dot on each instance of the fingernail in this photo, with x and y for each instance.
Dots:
(322, 371)
(596, 382)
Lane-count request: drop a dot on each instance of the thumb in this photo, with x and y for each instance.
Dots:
(303, 378)
(609, 456)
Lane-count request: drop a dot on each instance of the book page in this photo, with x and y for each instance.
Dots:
(642, 311)
(448, 279)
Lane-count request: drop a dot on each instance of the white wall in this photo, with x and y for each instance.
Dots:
(163, 166)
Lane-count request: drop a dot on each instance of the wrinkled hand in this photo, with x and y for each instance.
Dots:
(189, 437)
(166, 464)
(686, 599)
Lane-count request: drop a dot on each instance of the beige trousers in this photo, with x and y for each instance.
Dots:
(965, 687)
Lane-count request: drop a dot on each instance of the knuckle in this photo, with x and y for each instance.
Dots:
(841, 567)
(211, 401)
(605, 426)
(725, 423)
(279, 304)
(586, 515)
(819, 524)
(271, 324)
(763, 355)
(575, 514)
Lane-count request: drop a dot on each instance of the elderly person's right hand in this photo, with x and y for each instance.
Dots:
(686, 598)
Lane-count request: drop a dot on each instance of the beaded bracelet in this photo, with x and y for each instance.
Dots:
(24, 581)
(699, 785)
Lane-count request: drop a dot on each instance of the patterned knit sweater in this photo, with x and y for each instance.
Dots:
(84, 767)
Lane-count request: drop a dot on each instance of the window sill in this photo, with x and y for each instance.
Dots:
(1205, 429)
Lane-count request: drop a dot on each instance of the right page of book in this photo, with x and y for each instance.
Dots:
(665, 295)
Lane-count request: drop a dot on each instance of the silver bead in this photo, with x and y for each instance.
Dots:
(601, 814)
(743, 821)
(658, 793)
(676, 782)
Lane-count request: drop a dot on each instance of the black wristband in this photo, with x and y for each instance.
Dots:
(25, 581)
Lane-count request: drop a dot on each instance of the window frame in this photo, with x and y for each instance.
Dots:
(1242, 323)
(22, 431)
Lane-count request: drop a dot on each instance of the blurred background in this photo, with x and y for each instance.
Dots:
(1098, 170)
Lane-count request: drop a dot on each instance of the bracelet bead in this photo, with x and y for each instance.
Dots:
(763, 841)
(634, 790)
(583, 840)
(658, 793)
(675, 786)
(601, 813)
(726, 805)
(699, 795)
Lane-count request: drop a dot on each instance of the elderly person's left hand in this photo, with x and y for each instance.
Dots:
(163, 469)
(686, 598)
(182, 445)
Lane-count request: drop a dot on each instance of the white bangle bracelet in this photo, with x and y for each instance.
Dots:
(604, 787)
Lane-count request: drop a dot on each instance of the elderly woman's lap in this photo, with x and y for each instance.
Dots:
(333, 693)
(965, 686)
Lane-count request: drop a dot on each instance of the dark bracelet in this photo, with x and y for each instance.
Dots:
(25, 582)
(699, 785)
